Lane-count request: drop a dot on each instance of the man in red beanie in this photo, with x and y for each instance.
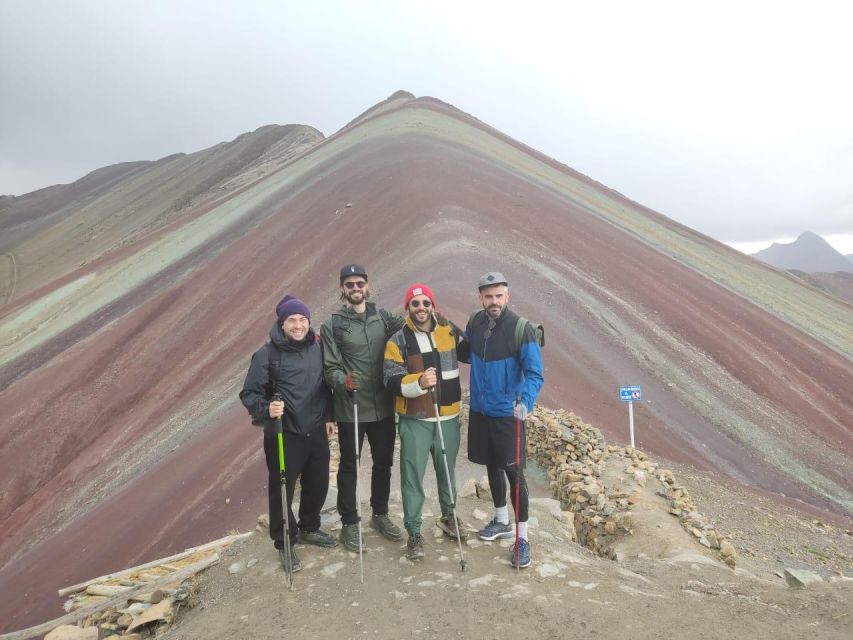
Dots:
(419, 357)
(291, 365)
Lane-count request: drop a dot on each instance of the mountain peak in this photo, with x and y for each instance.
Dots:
(809, 252)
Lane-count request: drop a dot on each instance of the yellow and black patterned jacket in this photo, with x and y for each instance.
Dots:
(409, 353)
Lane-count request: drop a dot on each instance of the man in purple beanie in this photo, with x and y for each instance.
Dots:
(291, 365)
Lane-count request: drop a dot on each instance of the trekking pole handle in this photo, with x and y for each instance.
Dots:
(276, 397)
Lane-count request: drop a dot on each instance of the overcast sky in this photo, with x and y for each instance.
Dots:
(734, 118)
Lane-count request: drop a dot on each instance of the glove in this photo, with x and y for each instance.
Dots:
(519, 410)
(351, 382)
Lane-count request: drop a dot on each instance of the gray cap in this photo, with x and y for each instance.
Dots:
(490, 279)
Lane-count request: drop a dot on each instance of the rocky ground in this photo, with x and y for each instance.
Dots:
(567, 591)
(619, 547)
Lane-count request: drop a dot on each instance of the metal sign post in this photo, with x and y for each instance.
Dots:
(630, 395)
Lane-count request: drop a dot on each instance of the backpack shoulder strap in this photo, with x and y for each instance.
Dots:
(399, 339)
(273, 365)
(337, 330)
(520, 326)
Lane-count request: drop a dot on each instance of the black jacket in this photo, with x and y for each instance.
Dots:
(299, 380)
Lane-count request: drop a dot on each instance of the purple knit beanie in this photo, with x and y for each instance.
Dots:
(290, 306)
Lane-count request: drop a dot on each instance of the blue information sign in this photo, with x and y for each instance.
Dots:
(630, 394)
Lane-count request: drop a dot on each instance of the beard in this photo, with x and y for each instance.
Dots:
(494, 311)
(354, 296)
(417, 320)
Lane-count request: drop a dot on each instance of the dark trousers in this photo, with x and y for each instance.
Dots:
(306, 457)
(380, 435)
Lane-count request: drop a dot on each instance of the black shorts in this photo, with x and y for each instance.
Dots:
(492, 441)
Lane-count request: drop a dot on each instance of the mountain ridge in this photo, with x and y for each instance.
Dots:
(745, 370)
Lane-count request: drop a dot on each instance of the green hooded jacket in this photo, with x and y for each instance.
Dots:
(362, 351)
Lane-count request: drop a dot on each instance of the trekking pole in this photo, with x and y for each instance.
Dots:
(358, 484)
(517, 483)
(285, 509)
(447, 475)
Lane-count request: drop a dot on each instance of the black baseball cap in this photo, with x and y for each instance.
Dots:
(352, 270)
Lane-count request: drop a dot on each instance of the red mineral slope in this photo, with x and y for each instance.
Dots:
(122, 432)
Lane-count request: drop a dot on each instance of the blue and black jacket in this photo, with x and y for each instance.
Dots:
(499, 370)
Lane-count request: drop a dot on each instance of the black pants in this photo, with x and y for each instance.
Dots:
(305, 457)
(381, 436)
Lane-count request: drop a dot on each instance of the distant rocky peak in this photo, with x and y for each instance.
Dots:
(809, 253)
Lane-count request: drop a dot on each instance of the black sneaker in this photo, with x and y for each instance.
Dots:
(318, 538)
(415, 547)
(349, 538)
(296, 564)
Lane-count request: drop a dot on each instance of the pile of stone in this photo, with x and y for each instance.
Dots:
(575, 456)
(133, 601)
(681, 505)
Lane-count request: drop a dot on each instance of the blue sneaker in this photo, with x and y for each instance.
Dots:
(523, 554)
(495, 531)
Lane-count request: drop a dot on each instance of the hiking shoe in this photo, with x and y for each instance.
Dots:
(382, 523)
(349, 538)
(523, 559)
(446, 524)
(318, 538)
(282, 556)
(495, 531)
(415, 547)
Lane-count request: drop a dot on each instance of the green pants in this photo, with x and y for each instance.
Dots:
(418, 441)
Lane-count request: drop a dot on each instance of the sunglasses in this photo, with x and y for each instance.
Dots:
(361, 284)
(417, 303)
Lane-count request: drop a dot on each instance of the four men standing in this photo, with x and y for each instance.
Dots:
(365, 356)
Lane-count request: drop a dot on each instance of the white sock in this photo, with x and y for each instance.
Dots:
(502, 514)
(522, 530)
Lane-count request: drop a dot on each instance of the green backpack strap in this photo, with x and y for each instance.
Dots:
(521, 325)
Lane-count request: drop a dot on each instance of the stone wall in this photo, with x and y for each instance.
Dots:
(576, 458)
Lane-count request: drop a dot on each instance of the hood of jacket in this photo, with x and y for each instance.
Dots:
(284, 343)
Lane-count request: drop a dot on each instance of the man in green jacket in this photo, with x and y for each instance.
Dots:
(353, 354)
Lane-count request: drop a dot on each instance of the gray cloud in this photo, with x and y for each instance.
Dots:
(736, 124)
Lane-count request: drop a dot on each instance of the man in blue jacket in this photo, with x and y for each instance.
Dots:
(506, 376)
